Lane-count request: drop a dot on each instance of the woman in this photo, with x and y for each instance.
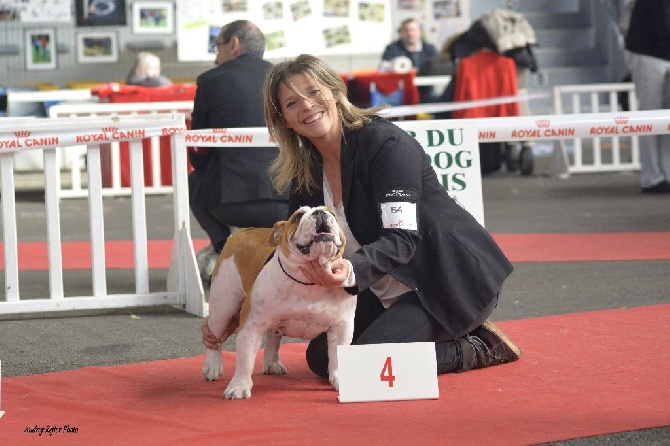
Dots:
(147, 71)
(423, 268)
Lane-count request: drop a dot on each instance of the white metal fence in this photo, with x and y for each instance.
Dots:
(113, 163)
(53, 135)
(604, 151)
(184, 288)
(614, 147)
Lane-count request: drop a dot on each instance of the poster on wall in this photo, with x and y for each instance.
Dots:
(101, 12)
(153, 18)
(31, 11)
(97, 47)
(40, 45)
(319, 27)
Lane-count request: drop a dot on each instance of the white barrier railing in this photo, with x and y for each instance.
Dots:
(50, 136)
(622, 150)
(525, 128)
(609, 151)
(115, 185)
(184, 287)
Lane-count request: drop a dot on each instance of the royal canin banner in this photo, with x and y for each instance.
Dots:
(585, 125)
(25, 134)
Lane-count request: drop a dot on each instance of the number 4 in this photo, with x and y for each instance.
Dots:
(387, 372)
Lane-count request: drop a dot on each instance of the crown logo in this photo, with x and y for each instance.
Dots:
(621, 119)
(22, 134)
(543, 123)
(110, 129)
(220, 130)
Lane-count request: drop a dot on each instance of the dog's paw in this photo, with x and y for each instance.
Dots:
(334, 381)
(274, 368)
(237, 393)
(213, 366)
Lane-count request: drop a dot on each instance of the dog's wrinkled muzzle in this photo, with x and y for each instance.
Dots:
(324, 238)
(323, 233)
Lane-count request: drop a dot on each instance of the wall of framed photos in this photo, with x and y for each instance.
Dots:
(64, 41)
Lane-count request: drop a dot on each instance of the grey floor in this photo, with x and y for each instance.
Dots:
(539, 203)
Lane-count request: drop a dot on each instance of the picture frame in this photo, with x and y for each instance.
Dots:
(100, 12)
(40, 45)
(97, 47)
(153, 17)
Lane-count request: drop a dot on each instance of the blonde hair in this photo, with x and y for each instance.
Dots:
(145, 61)
(296, 153)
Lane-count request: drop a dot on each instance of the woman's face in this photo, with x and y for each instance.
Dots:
(313, 115)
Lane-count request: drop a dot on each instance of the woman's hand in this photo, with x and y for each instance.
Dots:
(332, 274)
(212, 342)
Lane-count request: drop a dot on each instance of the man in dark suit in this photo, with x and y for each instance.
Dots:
(230, 186)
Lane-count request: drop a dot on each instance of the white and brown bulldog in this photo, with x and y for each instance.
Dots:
(273, 297)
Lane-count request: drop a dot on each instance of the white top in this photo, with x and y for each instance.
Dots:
(387, 289)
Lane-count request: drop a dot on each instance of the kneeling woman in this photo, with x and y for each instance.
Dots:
(423, 268)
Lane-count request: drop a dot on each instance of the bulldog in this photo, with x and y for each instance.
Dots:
(260, 287)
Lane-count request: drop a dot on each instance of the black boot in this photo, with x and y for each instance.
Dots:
(485, 346)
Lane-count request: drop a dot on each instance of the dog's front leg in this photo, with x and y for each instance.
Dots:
(341, 334)
(272, 364)
(248, 344)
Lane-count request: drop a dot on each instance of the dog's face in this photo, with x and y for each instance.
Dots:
(310, 233)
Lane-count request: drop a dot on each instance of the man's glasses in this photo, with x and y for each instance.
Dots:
(215, 46)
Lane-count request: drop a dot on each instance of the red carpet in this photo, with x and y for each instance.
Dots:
(518, 247)
(581, 375)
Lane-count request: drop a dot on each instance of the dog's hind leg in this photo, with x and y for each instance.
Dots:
(272, 365)
(225, 300)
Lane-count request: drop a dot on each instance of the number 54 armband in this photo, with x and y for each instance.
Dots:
(398, 209)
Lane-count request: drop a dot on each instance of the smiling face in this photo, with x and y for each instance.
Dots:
(310, 109)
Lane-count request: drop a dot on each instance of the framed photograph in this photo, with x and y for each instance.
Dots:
(101, 12)
(97, 47)
(40, 49)
(153, 18)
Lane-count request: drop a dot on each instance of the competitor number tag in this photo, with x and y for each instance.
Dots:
(399, 214)
(387, 372)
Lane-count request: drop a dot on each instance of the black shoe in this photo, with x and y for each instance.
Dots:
(485, 346)
(661, 188)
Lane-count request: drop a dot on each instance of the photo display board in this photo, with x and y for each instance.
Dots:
(318, 27)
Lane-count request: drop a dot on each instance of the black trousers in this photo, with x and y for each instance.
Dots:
(405, 321)
(216, 222)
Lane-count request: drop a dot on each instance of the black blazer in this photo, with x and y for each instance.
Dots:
(451, 261)
(230, 95)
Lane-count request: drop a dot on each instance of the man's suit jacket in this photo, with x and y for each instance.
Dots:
(451, 262)
(230, 95)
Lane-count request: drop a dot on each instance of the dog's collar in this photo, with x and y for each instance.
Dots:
(286, 272)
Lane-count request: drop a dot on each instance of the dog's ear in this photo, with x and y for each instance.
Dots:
(343, 239)
(277, 230)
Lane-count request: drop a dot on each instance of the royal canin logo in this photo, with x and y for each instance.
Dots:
(22, 134)
(621, 119)
(110, 129)
(220, 130)
(543, 123)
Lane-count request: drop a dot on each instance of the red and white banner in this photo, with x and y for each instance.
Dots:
(25, 134)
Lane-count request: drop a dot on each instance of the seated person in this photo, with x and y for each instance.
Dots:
(411, 45)
(147, 71)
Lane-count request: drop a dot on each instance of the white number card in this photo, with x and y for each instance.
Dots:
(387, 372)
